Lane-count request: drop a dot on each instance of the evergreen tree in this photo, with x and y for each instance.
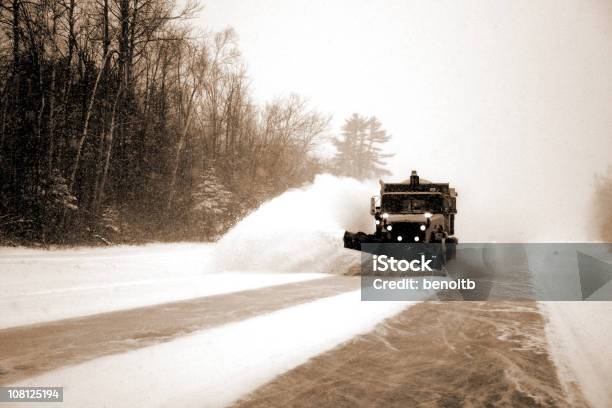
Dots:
(358, 149)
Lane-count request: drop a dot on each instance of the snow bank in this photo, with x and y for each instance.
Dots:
(215, 367)
(301, 230)
(39, 286)
(579, 338)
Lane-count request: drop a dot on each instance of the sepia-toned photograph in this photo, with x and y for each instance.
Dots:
(305, 203)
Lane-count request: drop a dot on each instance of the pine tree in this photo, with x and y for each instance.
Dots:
(358, 150)
(375, 158)
(213, 206)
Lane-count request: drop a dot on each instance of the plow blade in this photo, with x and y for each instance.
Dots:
(353, 240)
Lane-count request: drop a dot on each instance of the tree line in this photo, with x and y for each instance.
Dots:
(121, 122)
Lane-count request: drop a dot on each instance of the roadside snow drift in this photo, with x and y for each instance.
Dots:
(579, 338)
(39, 286)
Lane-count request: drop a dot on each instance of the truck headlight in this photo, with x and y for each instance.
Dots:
(423, 228)
(416, 239)
(389, 227)
(428, 215)
(377, 222)
(399, 238)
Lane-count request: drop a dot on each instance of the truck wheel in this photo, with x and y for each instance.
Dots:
(439, 255)
(451, 248)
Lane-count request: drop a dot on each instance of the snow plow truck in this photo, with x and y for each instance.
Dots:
(414, 211)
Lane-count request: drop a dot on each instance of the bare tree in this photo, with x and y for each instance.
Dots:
(190, 85)
(114, 112)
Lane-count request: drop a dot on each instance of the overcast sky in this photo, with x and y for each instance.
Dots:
(509, 101)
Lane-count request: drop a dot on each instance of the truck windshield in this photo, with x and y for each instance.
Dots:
(410, 204)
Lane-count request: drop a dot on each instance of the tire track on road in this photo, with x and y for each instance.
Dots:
(31, 350)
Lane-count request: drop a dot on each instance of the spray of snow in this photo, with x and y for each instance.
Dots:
(301, 230)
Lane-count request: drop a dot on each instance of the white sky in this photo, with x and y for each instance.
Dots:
(509, 101)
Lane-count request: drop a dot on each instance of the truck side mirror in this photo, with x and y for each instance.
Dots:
(373, 205)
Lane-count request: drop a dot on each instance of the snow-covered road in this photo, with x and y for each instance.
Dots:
(72, 341)
(162, 325)
(214, 367)
(213, 336)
